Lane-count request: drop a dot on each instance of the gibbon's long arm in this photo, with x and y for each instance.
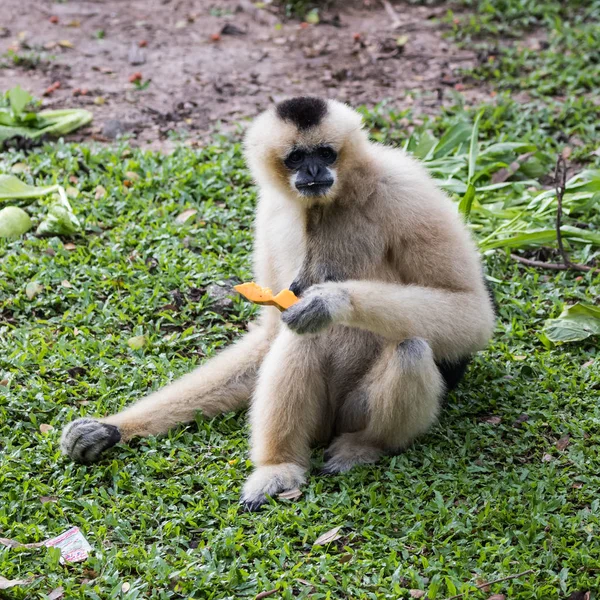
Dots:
(225, 383)
(454, 323)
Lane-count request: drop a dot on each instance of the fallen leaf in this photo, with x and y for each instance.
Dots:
(14, 222)
(137, 342)
(99, 100)
(46, 499)
(494, 420)
(589, 363)
(577, 486)
(4, 382)
(566, 152)
(125, 587)
(32, 289)
(53, 19)
(45, 428)
(291, 494)
(74, 23)
(186, 216)
(521, 419)
(99, 192)
(547, 457)
(503, 174)
(72, 192)
(401, 41)
(497, 597)
(56, 593)
(563, 442)
(132, 175)
(19, 168)
(66, 44)
(328, 537)
(5, 584)
(416, 593)
(14, 544)
(66, 284)
(69, 246)
(345, 558)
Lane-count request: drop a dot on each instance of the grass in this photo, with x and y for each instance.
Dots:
(485, 495)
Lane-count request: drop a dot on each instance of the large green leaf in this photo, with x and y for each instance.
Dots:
(467, 202)
(452, 139)
(12, 188)
(18, 99)
(575, 323)
(543, 236)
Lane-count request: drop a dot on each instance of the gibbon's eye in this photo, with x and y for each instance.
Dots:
(327, 153)
(294, 159)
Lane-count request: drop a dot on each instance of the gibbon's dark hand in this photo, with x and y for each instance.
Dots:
(320, 306)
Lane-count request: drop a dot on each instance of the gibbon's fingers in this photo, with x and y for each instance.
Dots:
(319, 308)
(222, 384)
(84, 440)
(268, 481)
(454, 323)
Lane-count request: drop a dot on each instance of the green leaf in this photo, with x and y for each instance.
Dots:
(14, 222)
(452, 139)
(467, 201)
(12, 188)
(18, 99)
(543, 236)
(474, 148)
(574, 324)
(60, 219)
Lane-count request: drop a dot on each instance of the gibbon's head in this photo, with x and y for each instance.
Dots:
(306, 147)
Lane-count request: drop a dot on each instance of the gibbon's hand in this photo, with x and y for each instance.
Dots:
(321, 306)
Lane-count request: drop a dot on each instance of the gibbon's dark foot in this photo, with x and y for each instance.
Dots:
(84, 440)
(347, 451)
(269, 481)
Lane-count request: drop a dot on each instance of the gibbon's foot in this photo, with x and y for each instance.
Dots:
(84, 440)
(268, 481)
(321, 306)
(347, 451)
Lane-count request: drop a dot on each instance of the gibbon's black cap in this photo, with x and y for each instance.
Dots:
(304, 112)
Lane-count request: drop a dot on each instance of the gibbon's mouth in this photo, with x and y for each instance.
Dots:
(315, 188)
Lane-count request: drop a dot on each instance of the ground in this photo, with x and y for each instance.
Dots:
(197, 82)
(503, 489)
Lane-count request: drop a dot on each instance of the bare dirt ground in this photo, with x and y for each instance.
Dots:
(204, 64)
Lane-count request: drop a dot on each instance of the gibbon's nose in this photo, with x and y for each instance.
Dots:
(312, 169)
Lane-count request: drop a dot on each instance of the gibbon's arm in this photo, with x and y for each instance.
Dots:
(454, 323)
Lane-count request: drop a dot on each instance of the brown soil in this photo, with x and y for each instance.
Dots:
(197, 82)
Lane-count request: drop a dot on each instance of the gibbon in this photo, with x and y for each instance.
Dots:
(393, 302)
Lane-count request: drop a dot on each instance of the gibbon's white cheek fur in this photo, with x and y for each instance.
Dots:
(393, 304)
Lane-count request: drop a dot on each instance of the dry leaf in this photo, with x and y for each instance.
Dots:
(14, 544)
(291, 494)
(45, 428)
(69, 246)
(547, 458)
(46, 499)
(566, 152)
(32, 289)
(497, 597)
(125, 587)
(493, 420)
(4, 382)
(66, 44)
(589, 363)
(266, 594)
(56, 593)
(563, 442)
(345, 558)
(577, 485)
(100, 192)
(137, 342)
(5, 584)
(132, 175)
(503, 174)
(328, 537)
(416, 593)
(66, 283)
(186, 216)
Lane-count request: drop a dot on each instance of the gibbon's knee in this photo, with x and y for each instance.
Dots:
(401, 397)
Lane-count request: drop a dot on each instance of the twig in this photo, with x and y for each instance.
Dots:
(483, 585)
(552, 266)
(392, 14)
(266, 594)
(560, 179)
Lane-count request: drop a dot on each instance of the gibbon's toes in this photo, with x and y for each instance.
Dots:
(84, 440)
(269, 481)
(346, 452)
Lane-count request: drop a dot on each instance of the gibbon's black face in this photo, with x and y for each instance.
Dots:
(312, 175)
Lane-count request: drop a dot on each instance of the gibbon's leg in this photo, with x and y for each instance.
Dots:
(288, 412)
(223, 384)
(401, 396)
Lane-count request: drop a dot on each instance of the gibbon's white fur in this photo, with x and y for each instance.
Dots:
(392, 299)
